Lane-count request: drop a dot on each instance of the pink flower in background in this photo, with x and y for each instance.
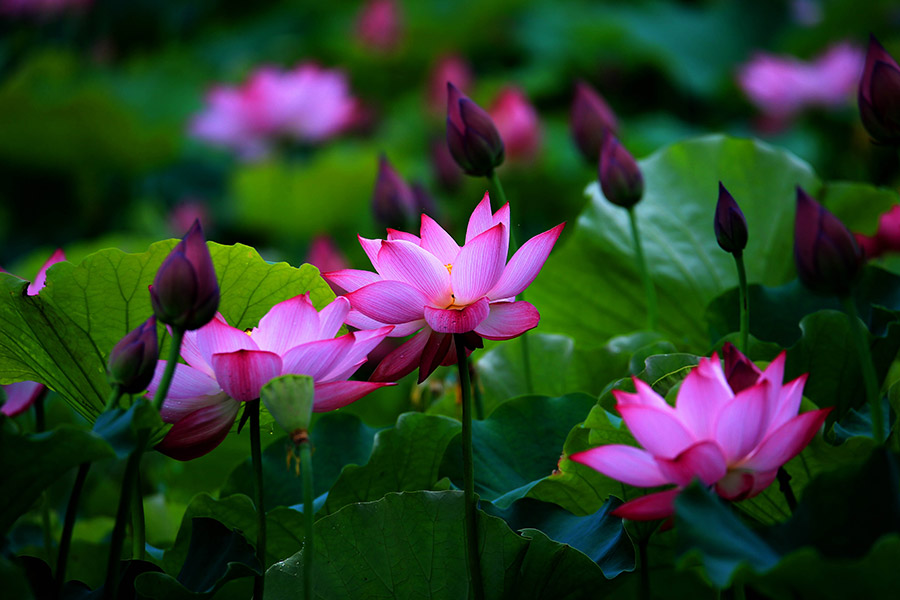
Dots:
(886, 239)
(517, 121)
(227, 366)
(325, 255)
(447, 69)
(781, 86)
(308, 104)
(731, 432)
(21, 395)
(379, 25)
(42, 8)
(431, 285)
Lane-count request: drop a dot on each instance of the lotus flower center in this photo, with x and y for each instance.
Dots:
(449, 267)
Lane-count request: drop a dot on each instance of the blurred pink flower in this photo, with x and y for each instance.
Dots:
(517, 121)
(227, 366)
(41, 8)
(21, 395)
(731, 432)
(886, 239)
(781, 87)
(325, 255)
(448, 69)
(308, 104)
(379, 25)
(431, 285)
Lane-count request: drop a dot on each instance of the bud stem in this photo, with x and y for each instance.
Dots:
(166, 381)
(745, 308)
(114, 395)
(132, 467)
(858, 332)
(309, 516)
(138, 530)
(474, 559)
(649, 290)
(784, 484)
(65, 540)
(256, 455)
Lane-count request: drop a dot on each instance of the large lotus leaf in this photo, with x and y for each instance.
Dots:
(590, 289)
(62, 337)
(411, 545)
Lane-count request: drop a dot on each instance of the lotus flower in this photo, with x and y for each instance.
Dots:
(227, 366)
(447, 69)
(619, 175)
(472, 137)
(132, 361)
(879, 95)
(518, 124)
(431, 285)
(886, 238)
(827, 256)
(22, 394)
(730, 433)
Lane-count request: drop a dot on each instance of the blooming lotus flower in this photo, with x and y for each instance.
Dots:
(22, 394)
(472, 137)
(227, 366)
(731, 434)
(431, 285)
(379, 25)
(591, 118)
(517, 122)
(879, 95)
(825, 252)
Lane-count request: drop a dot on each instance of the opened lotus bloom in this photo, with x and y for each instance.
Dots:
(430, 284)
(227, 366)
(731, 433)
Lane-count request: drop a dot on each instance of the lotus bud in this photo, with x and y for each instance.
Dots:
(730, 224)
(827, 256)
(879, 95)
(620, 177)
(740, 372)
(133, 360)
(517, 121)
(185, 293)
(590, 120)
(393, 201)
(472, 136)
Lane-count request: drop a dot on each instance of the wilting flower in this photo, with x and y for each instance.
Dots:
(472, 137)
(619, 175)
(731, 434)
(886, 238)
(185, 293)
(379, 25)
(518, 124)
(21, 395)
(879, 95)
(729, 223)
(133, 360)
(590, 120)
(430, 284)
(447, 69)
(825, 252)
(781, 87)
(308, 104)
(393, 201)
(227, 366)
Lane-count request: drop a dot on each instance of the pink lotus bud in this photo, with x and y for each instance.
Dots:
(827, 256)
(740, 372)
(730, 224)
(472, 137)
(591, 119)
(393, 201)
(879, 95)
(448, 69)
(517, 121)
(620, 177)
(133, 360)
(185, 293)
(379, 25)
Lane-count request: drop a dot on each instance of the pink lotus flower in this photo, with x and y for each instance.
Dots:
(886, 239)
(307, 104)
(781, 87)
(21, 395)
(227, 366)
(431, 285)
(732, 434)
(379, 25)
(517, 121)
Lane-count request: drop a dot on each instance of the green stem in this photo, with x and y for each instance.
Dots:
(115, 393)
(40, 425)
(784, 484)
(309, 516)
(645, 568)
(138, 531)
(476, 392)
(132, 467)
(174, 355)
(745, 308)
(649, 290)
(256, 454)
(65, 542)
(472, 556)
(858, 332)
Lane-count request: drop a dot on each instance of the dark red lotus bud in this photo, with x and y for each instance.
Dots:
(133, 360)
(730, 224)
(472, 136)
(879, 95)
(740, 372)
(620, 177)
(590, 120)
(393, 201)
(827, 256)
(185, 293)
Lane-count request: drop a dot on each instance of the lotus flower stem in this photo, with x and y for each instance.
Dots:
(645, 568)
(40, 426)
(745, 309)
(138, 531)
(114, 394)
(476, 392)
(65, 541)
(174, 354)
(858, 332)
(132, 467)
(256, 454)
(469, 471)
(784, 484)
(642, 267)
(309, 516)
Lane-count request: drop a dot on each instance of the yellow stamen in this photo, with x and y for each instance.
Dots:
(449, 268)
